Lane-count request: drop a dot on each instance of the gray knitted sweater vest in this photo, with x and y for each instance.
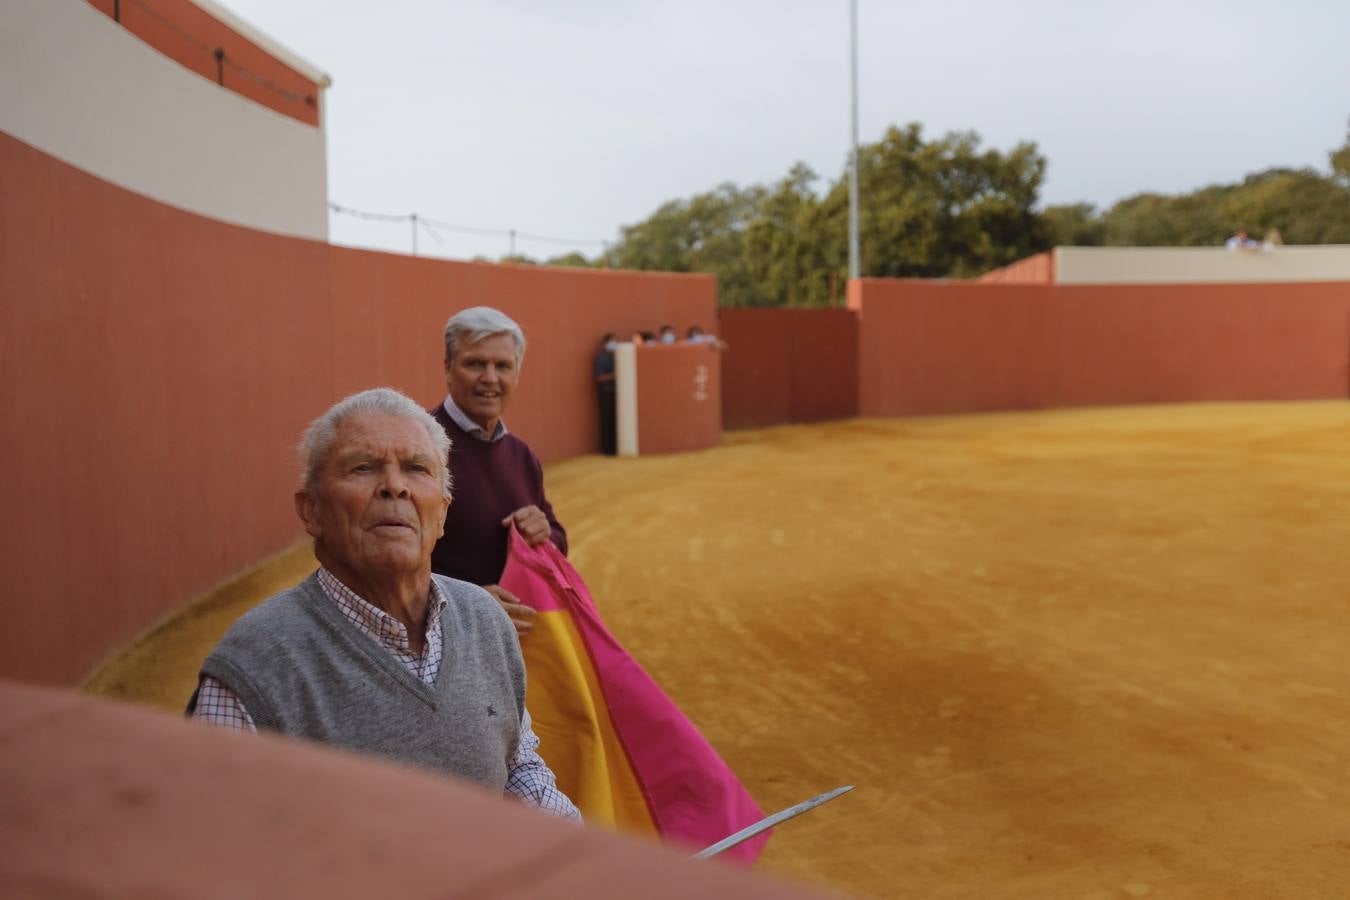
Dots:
(302, 669)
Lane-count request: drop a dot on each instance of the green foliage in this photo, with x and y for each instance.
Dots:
(1074, 225)
(1305, 206)
(573, 260)
(701, 234)
(948, 208)
(929, 209)
(787, 254)
(945, 208)
(1340, 163)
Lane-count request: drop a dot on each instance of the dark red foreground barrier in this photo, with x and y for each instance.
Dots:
(100, 799)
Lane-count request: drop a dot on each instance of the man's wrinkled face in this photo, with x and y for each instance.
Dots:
(481, 378)
(379, 506)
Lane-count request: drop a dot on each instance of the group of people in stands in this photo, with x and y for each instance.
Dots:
(1243, 241)
(668, 335)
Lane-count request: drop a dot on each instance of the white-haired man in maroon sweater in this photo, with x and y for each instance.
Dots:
(498, 481)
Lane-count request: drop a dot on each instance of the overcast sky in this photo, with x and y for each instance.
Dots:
(571, 118)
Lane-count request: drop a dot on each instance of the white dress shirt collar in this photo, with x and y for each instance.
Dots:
(470, 427)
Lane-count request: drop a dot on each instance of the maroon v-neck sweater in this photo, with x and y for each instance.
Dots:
(491, 481)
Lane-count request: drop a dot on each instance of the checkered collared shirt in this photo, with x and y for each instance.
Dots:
(528, 777)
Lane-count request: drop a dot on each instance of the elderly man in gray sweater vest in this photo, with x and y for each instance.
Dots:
(373, 652)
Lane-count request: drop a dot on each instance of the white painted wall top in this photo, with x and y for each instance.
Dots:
(76, 85)
(1211, 265)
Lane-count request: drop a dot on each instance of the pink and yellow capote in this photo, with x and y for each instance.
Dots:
(621, 749)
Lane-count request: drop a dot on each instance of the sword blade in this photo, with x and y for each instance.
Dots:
(766, 823)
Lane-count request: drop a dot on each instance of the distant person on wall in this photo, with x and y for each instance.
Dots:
(606, 394)
(1272, 239)
(498, 480)
(697, 335)
(668, 335)
(1241, 241)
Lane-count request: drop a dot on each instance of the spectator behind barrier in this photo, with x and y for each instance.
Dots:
(606, 395)
(697, 335)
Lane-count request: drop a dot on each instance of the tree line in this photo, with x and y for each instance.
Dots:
(946, 208)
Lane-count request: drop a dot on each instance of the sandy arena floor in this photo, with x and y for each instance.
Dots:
(1083, 654)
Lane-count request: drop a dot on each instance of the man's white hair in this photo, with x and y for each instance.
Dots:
(469, 326)
(318, 439)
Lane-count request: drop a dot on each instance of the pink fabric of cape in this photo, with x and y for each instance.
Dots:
(693, 797)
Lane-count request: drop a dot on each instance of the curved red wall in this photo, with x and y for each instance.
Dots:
(189, 35)
(788, 365)
(948, 347)
(679, 398)
(160, 367)
(1038, 269)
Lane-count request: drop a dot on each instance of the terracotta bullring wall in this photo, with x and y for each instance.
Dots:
(104, 799)
(949, 347)
(189, 35)
(161, 365)
(679, 397)
(1038, 269)
(788, 365)
(130, 104)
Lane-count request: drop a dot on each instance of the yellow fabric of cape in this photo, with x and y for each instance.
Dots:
(577, 738)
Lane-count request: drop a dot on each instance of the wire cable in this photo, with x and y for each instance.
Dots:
(427, 221)
(223, 58)
(374, 217)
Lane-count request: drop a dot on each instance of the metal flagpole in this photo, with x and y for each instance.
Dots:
(854, 256)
